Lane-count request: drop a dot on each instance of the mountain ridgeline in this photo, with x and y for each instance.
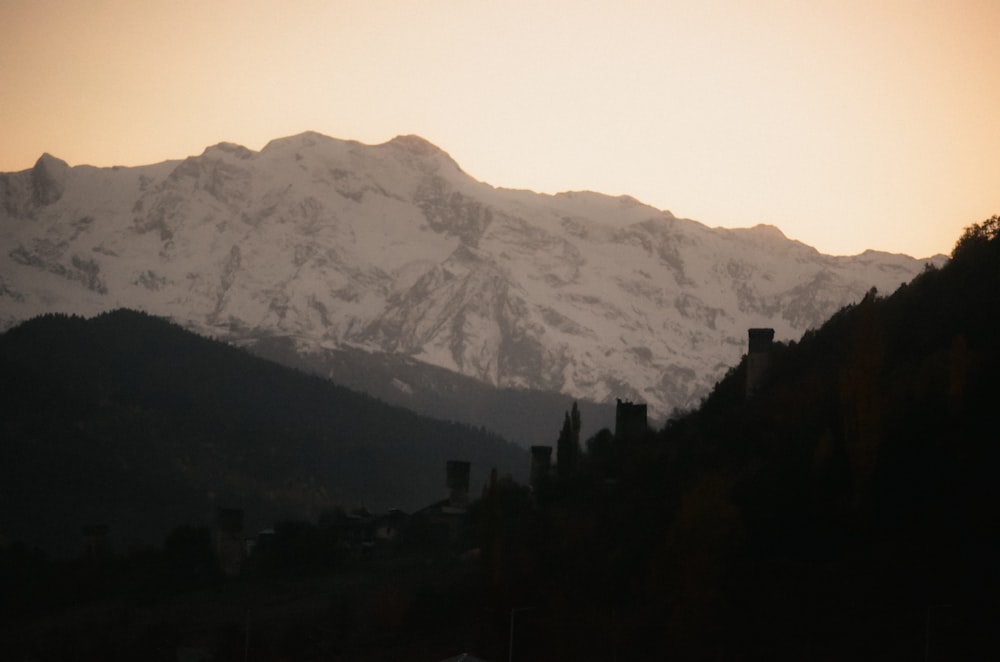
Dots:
(843, 507)
(336, 249)
(131, 421)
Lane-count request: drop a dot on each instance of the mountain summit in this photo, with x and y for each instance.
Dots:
(393, 250)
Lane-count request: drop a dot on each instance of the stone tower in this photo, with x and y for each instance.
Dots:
(630, 421)
(758, 358)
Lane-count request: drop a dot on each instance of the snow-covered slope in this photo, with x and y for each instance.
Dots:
(392, 248)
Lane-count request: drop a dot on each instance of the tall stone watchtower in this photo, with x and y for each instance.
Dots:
(758, 358)
(631, 423)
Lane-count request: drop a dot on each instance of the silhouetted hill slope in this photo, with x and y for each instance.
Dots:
(128, 420)
(865, 469)
(524, 416)
(848, 509)
(909, 373)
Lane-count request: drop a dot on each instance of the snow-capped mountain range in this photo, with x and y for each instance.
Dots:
(392, 249)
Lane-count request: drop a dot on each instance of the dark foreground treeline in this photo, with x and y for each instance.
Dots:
(312, 591)
(848, 509)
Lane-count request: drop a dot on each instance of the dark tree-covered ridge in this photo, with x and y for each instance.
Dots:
(131, 421)
(846, 509)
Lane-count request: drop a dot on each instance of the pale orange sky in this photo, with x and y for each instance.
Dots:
(848, 124)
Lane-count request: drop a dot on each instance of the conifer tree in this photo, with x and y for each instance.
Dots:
(568, 446)
(575, 423)
(564, 449)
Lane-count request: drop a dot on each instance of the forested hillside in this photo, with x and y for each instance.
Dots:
(848, 509)
(130, 421)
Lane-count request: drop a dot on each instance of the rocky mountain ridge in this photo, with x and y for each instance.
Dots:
(393, 250)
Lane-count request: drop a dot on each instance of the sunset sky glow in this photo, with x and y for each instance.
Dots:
(849, 124)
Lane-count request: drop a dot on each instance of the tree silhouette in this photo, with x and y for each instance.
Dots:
(976, 236)
(568, 446)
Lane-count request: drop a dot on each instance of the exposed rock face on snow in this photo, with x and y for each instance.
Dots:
(393, 249)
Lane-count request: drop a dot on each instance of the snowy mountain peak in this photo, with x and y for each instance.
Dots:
(305, 140)
(393, 249)
(770, 231)
(415, 145)
(231, 149)
(424, 155)
(46, 160)
(48, 179)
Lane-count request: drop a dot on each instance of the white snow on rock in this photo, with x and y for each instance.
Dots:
(393, 248)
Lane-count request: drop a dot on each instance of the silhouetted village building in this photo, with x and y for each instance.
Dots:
(758, 358)
(444, 522)
(357, 531)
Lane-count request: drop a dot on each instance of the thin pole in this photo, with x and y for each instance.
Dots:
(510, 645)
